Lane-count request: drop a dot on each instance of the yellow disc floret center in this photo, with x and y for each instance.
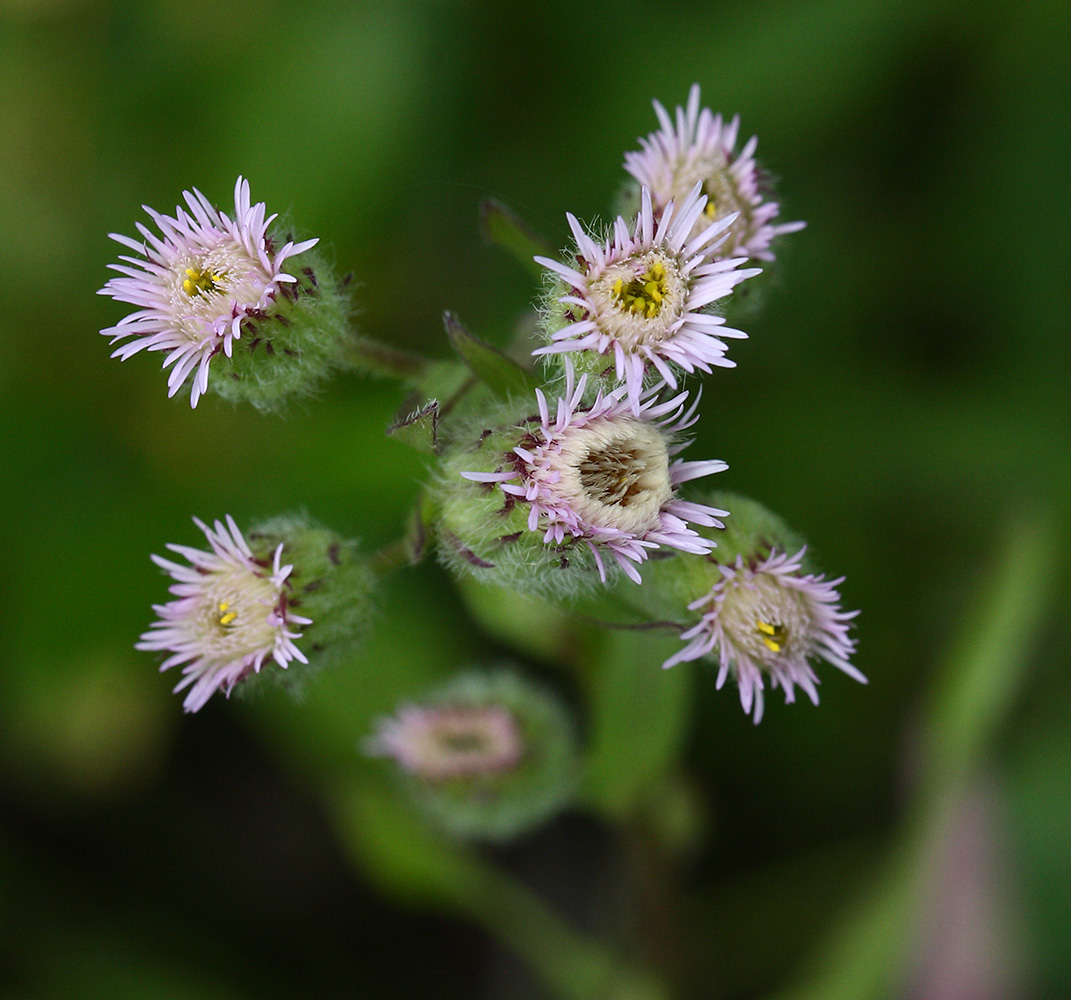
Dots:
(768, 622)
(773, 635)
(639, 300)
(643, 296)
(236, 615)
(202, 282)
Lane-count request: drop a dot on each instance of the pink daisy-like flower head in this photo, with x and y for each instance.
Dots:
(441, 742)
(642, 296)
(605, 475)
(196, 282)
(230, 615)
(486, 756)
(699, 147)
(770, 619)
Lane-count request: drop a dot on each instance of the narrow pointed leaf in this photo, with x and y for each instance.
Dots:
(505, 229)
(503, 376)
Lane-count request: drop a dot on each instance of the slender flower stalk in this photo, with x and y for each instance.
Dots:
(697, 146)
(604, 475)
(770, 619)
(230, 616)
(197, 282)
(643, 296)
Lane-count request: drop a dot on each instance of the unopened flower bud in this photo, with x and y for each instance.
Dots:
(487, 756)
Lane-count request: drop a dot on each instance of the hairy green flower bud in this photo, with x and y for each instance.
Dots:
(331, 584)
(487, 756)
(290, 348)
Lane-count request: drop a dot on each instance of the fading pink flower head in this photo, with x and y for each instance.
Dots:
(605, 475)
(641, 296)
(196, 282)
(231, 614)
(770, 619)
(699, 147)
(442, 742)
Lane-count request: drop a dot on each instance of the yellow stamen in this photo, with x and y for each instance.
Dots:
(199, 282)
(226, 617)
(773, 636)
(644, 294)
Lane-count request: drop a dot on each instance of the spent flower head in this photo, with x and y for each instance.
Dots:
(698, 147)
(197, 283)
(595, 477)
(768, 618)
(231, 614)
(642, 297)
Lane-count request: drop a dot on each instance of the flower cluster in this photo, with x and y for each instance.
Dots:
(549, 488)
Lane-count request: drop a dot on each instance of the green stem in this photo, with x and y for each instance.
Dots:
(383, 359)
(391, 557)
(398, 850)
(576, 967)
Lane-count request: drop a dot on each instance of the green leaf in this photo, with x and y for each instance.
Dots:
(505, 229)
(445, 380)
(503, 376)
(984, 665)
(639, 717)
(868, 952)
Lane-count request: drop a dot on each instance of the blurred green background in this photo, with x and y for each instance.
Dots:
(902, 402)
